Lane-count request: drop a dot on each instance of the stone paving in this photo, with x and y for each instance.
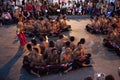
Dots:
(11, 55)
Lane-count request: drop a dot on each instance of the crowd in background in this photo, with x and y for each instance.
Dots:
(11, 10)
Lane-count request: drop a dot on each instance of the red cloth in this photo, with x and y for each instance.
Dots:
(43, 7)
(29, 7)
(22, 39)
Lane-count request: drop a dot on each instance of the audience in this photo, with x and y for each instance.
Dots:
(7, 18)
(70, 8)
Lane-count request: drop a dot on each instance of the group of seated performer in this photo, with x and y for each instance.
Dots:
(103, 24)
(112, 41)
(47, 26)
(55, 56)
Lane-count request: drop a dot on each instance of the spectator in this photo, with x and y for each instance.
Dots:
(26, 15)
(63, 7)
(6, 16)
(12, 4)
(37, 6)
(19, 4)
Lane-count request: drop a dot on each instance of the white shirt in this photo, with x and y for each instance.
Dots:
(18, 3)
(69, 5)
(6, 16)
(111, 1)
(63, 6)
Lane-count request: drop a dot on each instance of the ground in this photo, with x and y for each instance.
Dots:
(11, 54)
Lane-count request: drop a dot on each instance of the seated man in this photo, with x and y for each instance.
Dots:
(64, 25)
(36, 45)
(54, 56)
(66, 57)
(48, 52)
(79, 52)
(6, 16)
(94, 27)
(36, 63)
(72, 44)
(60, 43)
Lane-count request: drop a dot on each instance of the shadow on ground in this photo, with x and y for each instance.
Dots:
(78, 75)
(4, 71)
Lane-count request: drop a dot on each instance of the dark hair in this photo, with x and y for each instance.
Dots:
(109, 77)
(64, 17)
(51, 44)
(34, 42)
(41, 18)
(29, 47)
(88, 78)
(96, 19)
(41, 39)
(53, 49)
(91, 17)
(61, 36)
(36, 49)
(67, 44)
(5, 10)
(82, 40)
(47, 16)
(72, 38)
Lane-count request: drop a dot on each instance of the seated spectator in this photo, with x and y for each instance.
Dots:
(12, 4)
(37, 6)
(16, 14)
(26, 15)
(6, 16)
(19, 4)
(38, 14)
